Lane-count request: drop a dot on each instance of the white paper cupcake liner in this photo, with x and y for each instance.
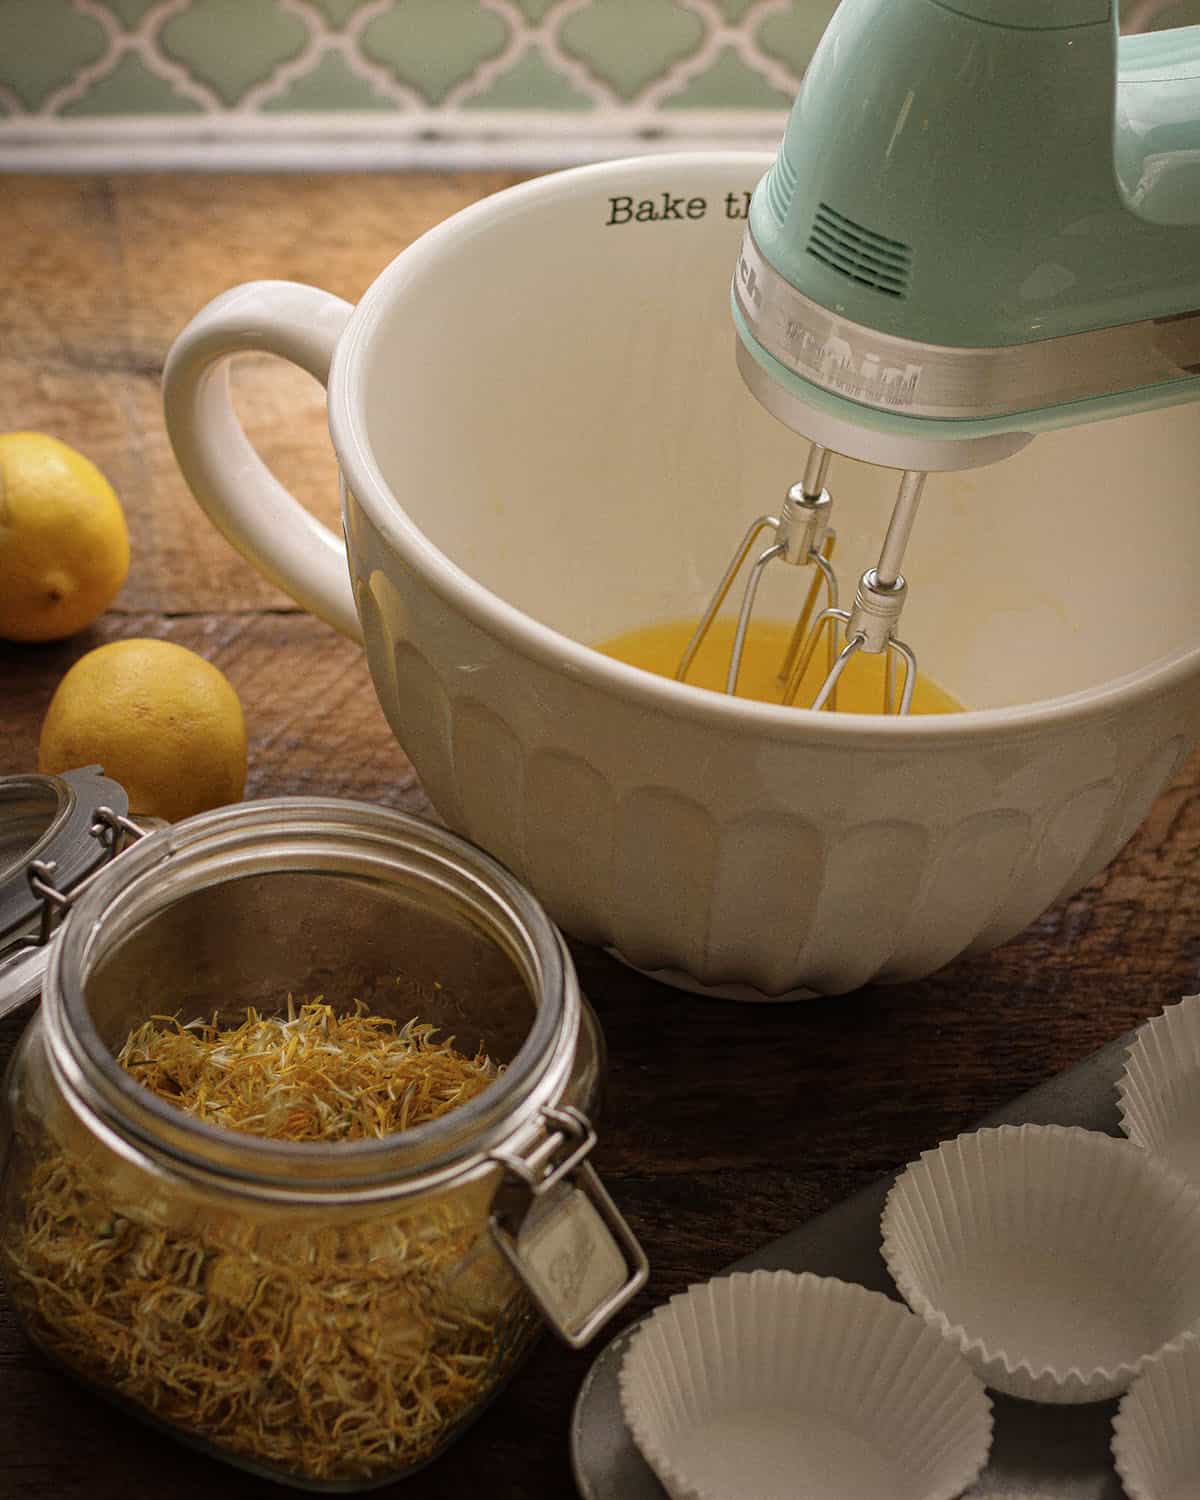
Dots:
(1159, 1090)
(1058, 1260)
(773, 1385)
(1156, 1434)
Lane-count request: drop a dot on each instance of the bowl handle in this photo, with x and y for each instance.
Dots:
(244, 500)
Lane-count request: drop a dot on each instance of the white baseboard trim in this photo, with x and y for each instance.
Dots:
(354, 143)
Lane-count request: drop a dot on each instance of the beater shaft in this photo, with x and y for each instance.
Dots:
(870, 624)
(816, 471)
(812, 488)
(904, 513)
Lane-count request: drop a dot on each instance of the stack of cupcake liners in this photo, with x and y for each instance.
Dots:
(1050, 1263)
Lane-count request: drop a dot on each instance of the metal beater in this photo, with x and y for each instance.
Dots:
(983, 222)
(804, 538)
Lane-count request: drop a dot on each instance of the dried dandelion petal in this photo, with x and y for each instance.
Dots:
(328, 1351)
(315, 1076)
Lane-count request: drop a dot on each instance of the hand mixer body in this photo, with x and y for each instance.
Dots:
(983, 221)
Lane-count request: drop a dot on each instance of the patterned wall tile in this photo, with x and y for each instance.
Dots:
(431, 82)
(729, 82)
(131, 88)
(131, 12)
(200, 37)
(337, 12)
(413, 40)
(43, 45)
(599, 36)
(530, 83)
(330, 85)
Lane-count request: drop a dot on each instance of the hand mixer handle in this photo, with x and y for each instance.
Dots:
(245, 501)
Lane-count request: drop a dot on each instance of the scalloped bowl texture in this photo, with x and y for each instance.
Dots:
(545, 442)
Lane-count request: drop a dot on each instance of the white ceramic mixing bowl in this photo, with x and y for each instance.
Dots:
(544, 441)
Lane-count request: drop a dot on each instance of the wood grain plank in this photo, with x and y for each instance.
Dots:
(187, 237)
(62, 288)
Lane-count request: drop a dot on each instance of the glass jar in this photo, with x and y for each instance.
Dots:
(327, 1314)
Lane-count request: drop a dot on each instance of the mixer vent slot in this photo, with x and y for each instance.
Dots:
(866, 257)
(781, 185)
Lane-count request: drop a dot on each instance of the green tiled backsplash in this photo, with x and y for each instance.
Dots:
(345, 82)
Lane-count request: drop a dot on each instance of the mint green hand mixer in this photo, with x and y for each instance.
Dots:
(983, 222)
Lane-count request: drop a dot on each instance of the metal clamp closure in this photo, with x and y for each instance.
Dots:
(560, 1231)
(114, 832)
(539, 1170)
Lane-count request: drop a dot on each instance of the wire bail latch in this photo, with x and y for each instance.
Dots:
(567, 1241)
(114, 832)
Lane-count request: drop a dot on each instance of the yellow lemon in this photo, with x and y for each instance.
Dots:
(161, 720)
(64, 548)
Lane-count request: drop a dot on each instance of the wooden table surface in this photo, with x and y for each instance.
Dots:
(725, 1125)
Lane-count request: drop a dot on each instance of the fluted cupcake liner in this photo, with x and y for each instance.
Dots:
(1156, 1434)
(1159, 1090)
(1057, 1260)
(771, 1385)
